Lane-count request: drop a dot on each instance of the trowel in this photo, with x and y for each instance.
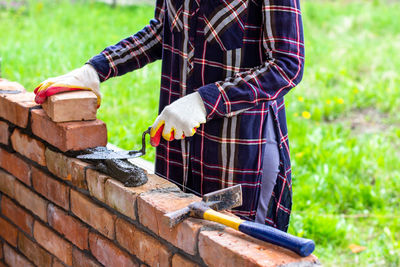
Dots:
(103, 153)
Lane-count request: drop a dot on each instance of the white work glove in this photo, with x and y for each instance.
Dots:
(180, 118)
(83, 78)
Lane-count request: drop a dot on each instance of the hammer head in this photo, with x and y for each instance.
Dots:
(224, 199)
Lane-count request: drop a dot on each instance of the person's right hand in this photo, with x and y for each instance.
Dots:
(83, 78)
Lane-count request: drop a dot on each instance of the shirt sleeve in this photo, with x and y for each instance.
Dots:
(283, 44)
(133, 52)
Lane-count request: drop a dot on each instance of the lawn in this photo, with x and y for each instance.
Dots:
(343, 119)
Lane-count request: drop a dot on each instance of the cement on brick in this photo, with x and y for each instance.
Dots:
(232, 248)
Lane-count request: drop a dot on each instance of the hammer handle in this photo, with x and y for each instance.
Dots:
(301, 246)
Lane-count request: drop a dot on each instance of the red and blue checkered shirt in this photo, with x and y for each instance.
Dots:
(242, 56)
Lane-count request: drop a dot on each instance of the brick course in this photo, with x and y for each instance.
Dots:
(31, 201)
(29, 147)
(68, 226)
(56, 210)
(95, 182)
(15, 108)
(7, 184)
(53, 243)
(108, 253)
(69, 135)
(151, 208)
(50, 188)
(13, 258)
(144, 246)
(16, 166)
(82, 260)
(33, 251)
(94, 215)
(180, 261)
(17, 215)
(4, 133)
(8, 231)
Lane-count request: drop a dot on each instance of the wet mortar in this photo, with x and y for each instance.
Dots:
(120, 169)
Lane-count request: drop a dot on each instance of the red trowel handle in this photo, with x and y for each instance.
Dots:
(155, 140)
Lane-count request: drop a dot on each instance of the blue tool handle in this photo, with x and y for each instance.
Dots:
(301, 246)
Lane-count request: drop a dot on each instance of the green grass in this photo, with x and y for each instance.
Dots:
(346, 177)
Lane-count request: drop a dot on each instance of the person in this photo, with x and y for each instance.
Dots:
(226, 66)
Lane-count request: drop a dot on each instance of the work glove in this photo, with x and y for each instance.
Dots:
(179, 119)
(83, 78)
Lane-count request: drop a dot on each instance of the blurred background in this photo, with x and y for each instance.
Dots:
(343, 119)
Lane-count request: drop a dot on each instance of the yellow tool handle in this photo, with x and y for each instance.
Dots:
(221, 218)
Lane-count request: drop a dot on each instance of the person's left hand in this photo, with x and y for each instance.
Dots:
(180, 118)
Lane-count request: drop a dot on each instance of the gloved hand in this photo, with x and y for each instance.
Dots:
(83, 78)
(179, 119)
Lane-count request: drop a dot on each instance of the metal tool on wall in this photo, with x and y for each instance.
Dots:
(229, 198)
(102, 153)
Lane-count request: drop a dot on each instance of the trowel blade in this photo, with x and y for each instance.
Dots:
(110, 155)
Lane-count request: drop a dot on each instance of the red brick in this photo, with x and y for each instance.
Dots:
(6, 85)
(69, 169)
(95, 182)
(123, 198)
(80, 259)
(94, 215)
(57, 163)
(13, 259)
(7, 184)
(29, 147)
(57, 263)
(232, 248)
(69, 227)
(53, 243)
(153, 205)
(142, 245)
(8, 232)
(33, 251)
(69, 135)
(31, 201)
(76, 171)
(71, 106)
(15, 107)
(120, 198)
(17, 215)
(16, 166)
(50, 188)
(180, 261)
(4, 133)
(109, 254)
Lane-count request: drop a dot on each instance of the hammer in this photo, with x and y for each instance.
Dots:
(229, 198)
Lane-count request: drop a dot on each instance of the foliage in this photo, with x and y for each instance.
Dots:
(343, 118)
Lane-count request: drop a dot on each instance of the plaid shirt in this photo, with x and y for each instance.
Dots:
(242, 56)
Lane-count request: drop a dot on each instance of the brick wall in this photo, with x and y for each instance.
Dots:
(56, 210)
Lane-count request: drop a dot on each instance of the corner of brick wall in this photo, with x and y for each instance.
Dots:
(58, 211)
